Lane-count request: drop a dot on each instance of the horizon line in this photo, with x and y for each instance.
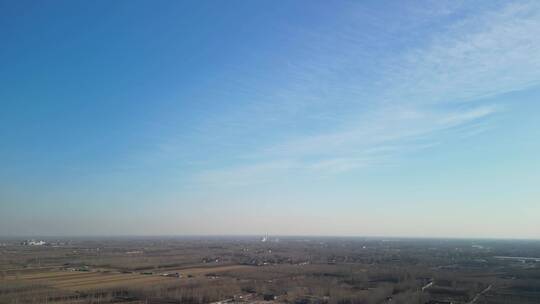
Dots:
(377, 237)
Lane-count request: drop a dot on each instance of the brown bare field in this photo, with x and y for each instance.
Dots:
(86, 281)
(197, 271)
(79, 281)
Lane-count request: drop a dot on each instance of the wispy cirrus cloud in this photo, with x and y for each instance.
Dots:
(482, 56)
(442, 85)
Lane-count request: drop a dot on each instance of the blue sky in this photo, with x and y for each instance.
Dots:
(382, 118)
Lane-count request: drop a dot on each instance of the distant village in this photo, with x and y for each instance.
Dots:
(33, 243)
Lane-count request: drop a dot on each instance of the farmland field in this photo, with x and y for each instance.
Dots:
(284, 270)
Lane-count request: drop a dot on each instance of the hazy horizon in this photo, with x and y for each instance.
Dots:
(258, 237)
(373, 118)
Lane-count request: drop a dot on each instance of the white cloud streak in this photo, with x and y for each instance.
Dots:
(438, 87)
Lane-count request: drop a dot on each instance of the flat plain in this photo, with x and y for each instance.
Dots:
(295, 270)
